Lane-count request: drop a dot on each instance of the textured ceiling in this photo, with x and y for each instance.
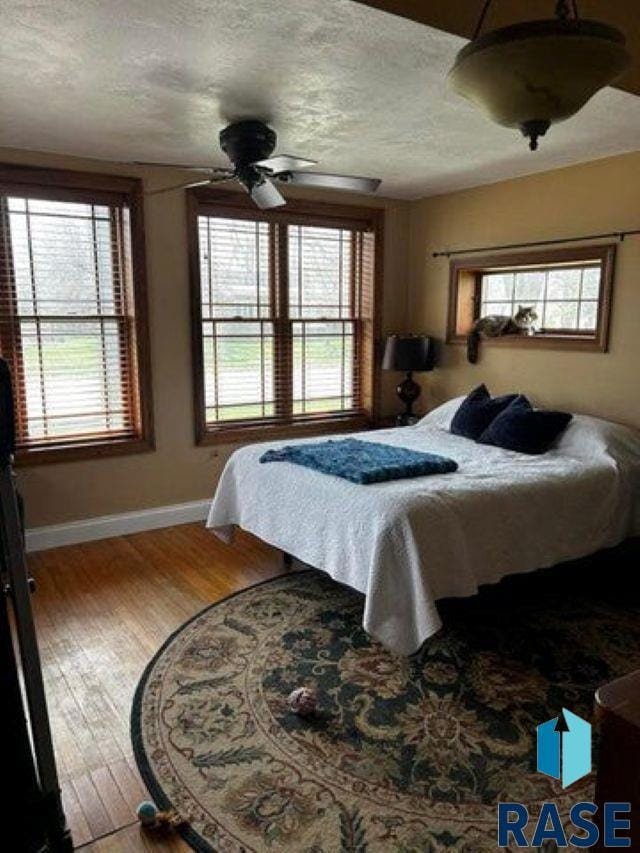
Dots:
(357, 89)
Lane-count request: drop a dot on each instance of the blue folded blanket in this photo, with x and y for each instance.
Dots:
(362, 461)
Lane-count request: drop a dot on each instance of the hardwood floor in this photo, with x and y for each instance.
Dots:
(102, 609)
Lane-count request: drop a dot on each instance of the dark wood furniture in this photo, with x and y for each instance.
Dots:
(31, 801)
(618, 777)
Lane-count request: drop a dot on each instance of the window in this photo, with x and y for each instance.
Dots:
(283, 313)
(565, 299)
(72, 313)
(323, 298)
(237, 319)
(569, 289)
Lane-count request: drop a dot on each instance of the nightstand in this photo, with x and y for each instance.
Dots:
(618, 712)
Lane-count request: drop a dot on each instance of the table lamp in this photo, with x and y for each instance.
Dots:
(409, 354)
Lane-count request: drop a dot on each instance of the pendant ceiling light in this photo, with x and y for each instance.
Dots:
(534, 74)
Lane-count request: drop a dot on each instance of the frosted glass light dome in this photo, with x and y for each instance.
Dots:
(534, 74)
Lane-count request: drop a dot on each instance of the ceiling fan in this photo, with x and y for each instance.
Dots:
(249, 144)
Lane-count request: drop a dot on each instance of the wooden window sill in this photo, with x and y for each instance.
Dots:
(235, 433)
(543, 341)
(81, 451)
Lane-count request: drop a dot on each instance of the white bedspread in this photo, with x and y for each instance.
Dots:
(408, 543)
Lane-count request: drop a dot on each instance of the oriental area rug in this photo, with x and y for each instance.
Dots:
(401, 754)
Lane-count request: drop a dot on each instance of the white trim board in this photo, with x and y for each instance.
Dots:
(105, 526)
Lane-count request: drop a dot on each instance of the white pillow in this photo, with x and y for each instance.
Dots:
(442, 415)
(588, 436)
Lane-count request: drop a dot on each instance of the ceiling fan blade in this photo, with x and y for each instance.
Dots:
(266, 196)
(190, 185)
(185, 168)
(335, 182)
(284, 163)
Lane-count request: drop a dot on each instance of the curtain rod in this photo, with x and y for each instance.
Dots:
(619, 235)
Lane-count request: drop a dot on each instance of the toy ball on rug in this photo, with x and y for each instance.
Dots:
(147, 813)
(303, 701)
(151, 817)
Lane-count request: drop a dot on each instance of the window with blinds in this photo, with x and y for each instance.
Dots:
(68, 324)
(237, 319)
(284, 315)
(323, 309)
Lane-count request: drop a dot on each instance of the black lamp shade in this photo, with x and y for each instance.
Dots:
(408, 354)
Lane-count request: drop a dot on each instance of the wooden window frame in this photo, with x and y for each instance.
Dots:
(216, 202)
(93, 187)
(466, 274)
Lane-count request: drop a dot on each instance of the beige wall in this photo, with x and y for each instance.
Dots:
(591, 198)
(178, 470)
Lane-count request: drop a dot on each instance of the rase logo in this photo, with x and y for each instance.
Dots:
(564, 748)
(564, 753)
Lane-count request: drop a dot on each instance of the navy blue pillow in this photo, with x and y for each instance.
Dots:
(477, 411)
(525, 429)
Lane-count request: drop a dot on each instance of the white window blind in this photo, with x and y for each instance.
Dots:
(323, 310)
(237, 319)
(67, 319)
(281, 318)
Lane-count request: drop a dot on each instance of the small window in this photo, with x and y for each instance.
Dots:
(569, 291)
(284, 323)
(71, 315)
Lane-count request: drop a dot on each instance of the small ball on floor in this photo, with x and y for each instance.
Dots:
(303, 701)
(151, 817)
(147, 813)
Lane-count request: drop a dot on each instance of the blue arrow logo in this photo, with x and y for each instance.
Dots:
(564, 748)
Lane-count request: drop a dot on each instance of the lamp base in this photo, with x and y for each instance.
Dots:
(406, 420)
(408, 391)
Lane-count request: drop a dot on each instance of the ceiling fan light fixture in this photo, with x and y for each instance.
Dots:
(535, 74)
(260, 188)
(266, 196)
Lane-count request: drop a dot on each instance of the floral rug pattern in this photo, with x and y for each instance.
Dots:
(402, 755)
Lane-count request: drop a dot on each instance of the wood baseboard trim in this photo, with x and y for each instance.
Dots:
(107, 526)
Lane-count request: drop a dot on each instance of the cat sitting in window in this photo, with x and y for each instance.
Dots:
(498, 325)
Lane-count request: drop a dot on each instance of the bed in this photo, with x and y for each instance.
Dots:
(407, 543)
